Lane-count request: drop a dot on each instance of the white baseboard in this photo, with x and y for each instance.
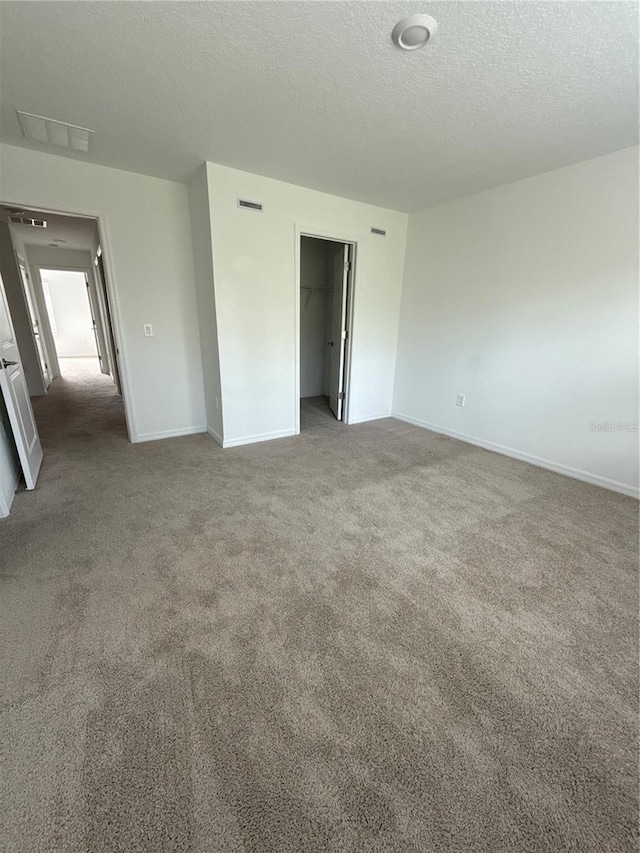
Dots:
(538, 461)
(214, 435)
(167, 433)
(364, 418)
(253, 439)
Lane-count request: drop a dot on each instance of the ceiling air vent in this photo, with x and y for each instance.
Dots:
(25, 220)
(379, 231)
(250, 205)
(53, 132)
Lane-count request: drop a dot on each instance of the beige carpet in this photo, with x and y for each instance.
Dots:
(366, 638)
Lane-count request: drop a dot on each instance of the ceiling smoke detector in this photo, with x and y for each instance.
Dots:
(414, 32)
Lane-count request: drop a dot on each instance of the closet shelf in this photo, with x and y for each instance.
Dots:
(314, 289)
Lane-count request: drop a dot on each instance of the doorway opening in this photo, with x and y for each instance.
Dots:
(70, 314)
(326, 293)
(60, 373)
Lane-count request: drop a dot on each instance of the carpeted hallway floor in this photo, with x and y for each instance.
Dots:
(366, 638)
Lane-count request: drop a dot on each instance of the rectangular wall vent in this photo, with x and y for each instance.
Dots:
(251, 205)
(25, 220)
(379, 231)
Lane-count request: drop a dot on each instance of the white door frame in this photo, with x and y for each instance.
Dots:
(110, 286)
(325, 233)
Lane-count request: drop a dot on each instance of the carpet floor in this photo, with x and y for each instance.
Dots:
(365, 638)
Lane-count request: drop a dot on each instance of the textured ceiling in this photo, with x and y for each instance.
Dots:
(75, 232)
(316, 94)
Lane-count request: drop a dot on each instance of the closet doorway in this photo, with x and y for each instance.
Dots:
(326, 293)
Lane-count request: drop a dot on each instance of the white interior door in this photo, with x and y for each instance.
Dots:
(47, 320)
(341, 266)
(98, 330)
(9, 463)
(101, 289)
(16, 398)
(35, 321)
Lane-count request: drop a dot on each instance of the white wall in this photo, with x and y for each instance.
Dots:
(146, 238)
(254, 261)
(200, 210)
(74, 335)
(524, 298)
(315, 316)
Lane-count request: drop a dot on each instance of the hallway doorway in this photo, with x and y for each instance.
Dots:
(59, 311)
(70, 316)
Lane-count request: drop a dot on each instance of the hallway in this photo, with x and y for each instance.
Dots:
(81, 404)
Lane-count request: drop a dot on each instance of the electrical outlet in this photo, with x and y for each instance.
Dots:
(460, 400)
(217, 399)
(148, 330)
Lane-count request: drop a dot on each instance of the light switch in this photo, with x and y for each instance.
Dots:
(148, 330)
